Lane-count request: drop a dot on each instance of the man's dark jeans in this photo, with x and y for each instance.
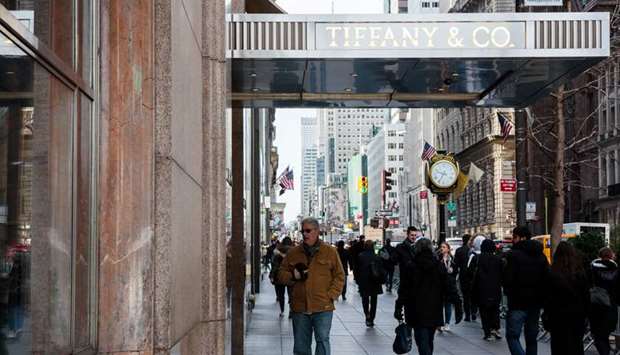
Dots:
(424, 338)
(304, 325)
(516, 320)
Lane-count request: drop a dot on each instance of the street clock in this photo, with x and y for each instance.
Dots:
(442, 172)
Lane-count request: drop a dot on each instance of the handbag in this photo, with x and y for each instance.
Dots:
(403, 341)
(600, 297)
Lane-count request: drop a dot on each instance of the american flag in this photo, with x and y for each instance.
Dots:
(428, 151)
(504, 124)
(286, 180)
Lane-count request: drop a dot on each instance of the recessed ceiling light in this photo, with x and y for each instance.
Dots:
(348, 90)
(255, 89)
(10, 73)
(454, 75)
(253, 75)
(354, 75)
(440, 89)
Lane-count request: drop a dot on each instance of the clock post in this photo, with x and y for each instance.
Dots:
(442, 171)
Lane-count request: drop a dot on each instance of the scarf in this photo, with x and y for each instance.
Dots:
(311, 251)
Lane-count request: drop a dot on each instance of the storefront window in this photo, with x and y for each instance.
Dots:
(45, 209)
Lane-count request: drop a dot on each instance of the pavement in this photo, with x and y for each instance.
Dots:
(267, 334)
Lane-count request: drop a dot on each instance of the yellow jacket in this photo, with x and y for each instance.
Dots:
(324, 283)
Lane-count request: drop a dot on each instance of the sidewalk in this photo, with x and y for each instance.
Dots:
(269, 335)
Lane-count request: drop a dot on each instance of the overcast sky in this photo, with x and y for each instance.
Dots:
(288, 127)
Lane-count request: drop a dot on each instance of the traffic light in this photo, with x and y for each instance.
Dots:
(387, 182)
(362, 184)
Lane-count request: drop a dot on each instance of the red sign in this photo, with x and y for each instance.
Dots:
(423, 195)
(508, 185)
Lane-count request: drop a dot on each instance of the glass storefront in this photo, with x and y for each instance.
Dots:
(47, 135)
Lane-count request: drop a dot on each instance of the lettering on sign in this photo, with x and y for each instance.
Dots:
(421, 35)
(508, 185)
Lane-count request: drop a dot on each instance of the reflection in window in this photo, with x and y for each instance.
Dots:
(45, 251)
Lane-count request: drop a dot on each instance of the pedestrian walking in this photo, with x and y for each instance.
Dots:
(525, 277)
(487, 289)
(423, 305)
(316, 275)
(405, 252)
(567, 301)
(388, 256)
(447, 262)
(278, 256)
(470, 271)
(603, 314)
(345, 261)
(461, 256)
(356, 248)
(368, 284)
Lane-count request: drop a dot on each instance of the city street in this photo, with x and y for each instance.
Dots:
(269, 335)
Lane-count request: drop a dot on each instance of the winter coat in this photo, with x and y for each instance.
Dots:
(366, 285)
(391, 262)
(605, 274)
(344, 259)
(487, 279)
(324, 283)
(460, 259)
(428, 290)
(278, 255)
(450, 268)
(404, 257)
(567, 300)
(525, 275)
(354, 251)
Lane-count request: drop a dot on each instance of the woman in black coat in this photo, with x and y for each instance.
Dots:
(567, 304)
(368, 287)
(429, 288)
(487, 289)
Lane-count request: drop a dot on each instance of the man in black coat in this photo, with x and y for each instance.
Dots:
(460, 259)
(404, 258)
(525, 278)
(355, 250)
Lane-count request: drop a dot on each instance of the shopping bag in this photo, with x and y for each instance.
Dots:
(402, 342)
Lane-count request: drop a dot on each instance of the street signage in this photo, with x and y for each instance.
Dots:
(423, 195)
(384, 213)
(508, 185)
(451, 206)
(420, 35)
(452, 223)
(530, 211)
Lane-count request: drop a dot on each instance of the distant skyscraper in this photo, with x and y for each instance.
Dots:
(346, 131)
(413, 6)
(309, 153)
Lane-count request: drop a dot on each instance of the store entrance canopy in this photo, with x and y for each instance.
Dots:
(444, 60)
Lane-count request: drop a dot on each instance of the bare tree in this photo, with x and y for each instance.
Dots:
(566, 135)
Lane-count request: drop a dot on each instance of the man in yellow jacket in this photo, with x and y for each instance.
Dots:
(316, 275)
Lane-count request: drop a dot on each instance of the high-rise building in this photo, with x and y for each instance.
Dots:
(351, 129)
(309, 154)
(414, 6)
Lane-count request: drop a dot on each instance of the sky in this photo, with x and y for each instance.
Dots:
(288, 123)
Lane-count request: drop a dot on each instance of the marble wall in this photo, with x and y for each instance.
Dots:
(162, 259)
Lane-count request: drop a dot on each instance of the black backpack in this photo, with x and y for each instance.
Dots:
(377, 271)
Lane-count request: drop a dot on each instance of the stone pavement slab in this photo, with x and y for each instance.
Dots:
(267, 334)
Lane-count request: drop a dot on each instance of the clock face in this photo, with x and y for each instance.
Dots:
(444, 174)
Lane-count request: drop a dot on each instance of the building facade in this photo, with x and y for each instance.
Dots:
(418, 205)
(375, 153)
(357, 202)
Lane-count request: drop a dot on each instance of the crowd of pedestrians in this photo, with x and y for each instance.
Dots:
(571, 298)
